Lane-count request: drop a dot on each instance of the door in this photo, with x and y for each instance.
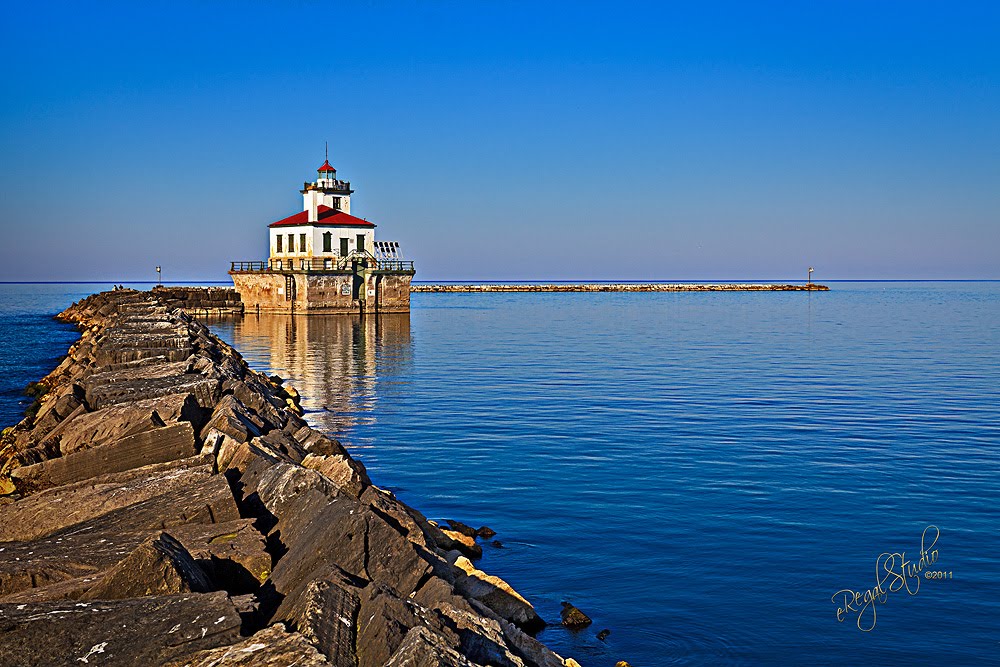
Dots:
(361, 242)
(343, 248)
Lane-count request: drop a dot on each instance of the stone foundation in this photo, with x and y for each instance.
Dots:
(324, 293)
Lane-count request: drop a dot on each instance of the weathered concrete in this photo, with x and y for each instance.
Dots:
(324, 292)
(158, 468)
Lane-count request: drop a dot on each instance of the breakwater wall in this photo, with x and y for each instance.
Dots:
(200, 300)
(164, 504)
(621, 287)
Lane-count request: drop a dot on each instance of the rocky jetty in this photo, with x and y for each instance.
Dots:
(621, 287)
(164, 504)
(200, 300)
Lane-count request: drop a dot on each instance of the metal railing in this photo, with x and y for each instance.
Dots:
(319, 264)
(248, 267)
(324, 184)
(394, 265)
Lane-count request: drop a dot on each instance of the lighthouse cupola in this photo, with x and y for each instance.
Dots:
(327, 190)
(326, 172)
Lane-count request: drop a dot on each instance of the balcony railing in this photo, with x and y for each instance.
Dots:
(327, 184)
(394, 265)
(248, 267)
(318, 264)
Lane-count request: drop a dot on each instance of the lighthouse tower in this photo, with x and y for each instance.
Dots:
(325, 260)
(326, 190)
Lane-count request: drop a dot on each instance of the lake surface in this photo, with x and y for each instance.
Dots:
(700, 473)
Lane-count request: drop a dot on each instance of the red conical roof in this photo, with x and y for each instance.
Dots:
(326, 166)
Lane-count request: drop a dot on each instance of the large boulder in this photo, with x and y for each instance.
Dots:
(233, 553)
(92, 547)
(573, 618)
(496, 594)
(347, 474)
(327, 615)
(205, 390)
(113, 423)
(139, 631)
(384, 621)
(270, 647)
(422, 648)
(158, 445)
(158, 566)
(46, 512)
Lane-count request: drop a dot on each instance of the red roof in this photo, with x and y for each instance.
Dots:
(326, 166)
(327, 217)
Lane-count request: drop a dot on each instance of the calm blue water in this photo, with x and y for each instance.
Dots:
(700, 473)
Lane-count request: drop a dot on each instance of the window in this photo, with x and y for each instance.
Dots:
(361, 242)
(277, 263)
(277, 247)
(302, 242)
(327, 242)
(343, 248)
(336, 203)
(291, 243)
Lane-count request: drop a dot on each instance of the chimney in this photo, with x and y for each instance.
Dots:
(313, 212)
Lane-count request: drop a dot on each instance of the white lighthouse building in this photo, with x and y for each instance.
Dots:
(324, 260)
(324, 232)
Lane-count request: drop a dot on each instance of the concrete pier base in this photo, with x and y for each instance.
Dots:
(324, 292)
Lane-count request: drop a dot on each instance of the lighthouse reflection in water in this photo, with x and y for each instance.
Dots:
(335, 362)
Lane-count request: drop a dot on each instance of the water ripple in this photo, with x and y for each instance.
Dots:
(699, 474)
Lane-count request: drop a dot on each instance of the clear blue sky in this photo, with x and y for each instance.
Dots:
(502, 140)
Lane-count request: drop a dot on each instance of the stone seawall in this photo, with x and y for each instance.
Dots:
(621, 287)
(200, 300)
(164, 504)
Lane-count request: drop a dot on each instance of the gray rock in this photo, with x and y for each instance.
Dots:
(347, 474)
(422, 648)
(384, 621)
(205, 390)
(317, 443)
(482, 639)
(327, 615)
(271, 647)
(90, 547)
(140, 631)
(496, 594)
(57, 406)
(234, 553)
(96, 428)
(463, 543)
(159, 445)
(573, 617)
(462, 528)
(44, 513)
(159, 566)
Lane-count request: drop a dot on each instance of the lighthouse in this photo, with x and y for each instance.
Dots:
(327, 191)
(325, 260)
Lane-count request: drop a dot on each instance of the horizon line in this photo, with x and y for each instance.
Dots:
(538, 280)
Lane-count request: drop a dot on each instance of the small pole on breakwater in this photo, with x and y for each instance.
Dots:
(809, 276)
(159, 280)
